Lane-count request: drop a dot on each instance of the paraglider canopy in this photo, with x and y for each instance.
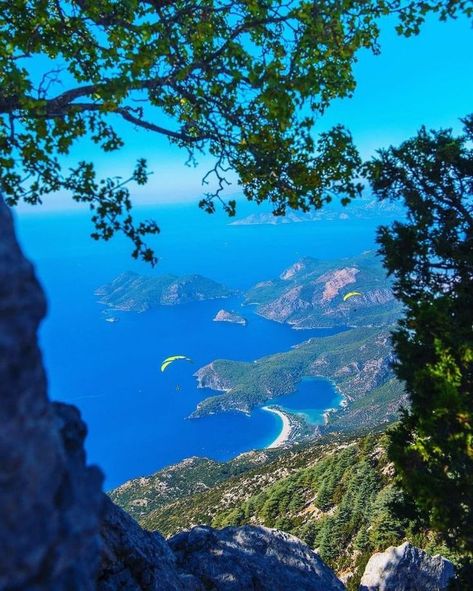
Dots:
(350, 294)
(173, 358)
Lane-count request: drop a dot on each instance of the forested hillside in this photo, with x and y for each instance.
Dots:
(338, 497)
(193, 475)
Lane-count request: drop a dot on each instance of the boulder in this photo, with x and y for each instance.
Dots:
(406, 568)
(251, 558)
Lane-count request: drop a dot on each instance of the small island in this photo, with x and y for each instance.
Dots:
(232, 317)
(111, 319)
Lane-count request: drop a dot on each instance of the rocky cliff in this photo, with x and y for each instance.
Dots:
(50, 500)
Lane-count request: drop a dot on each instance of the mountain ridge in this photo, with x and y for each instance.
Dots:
(336, 495)
(310, 294)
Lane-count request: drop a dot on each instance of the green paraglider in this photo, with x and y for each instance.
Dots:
(350, 294)
(173, 358)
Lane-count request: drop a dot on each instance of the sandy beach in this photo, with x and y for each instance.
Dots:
(283, 437)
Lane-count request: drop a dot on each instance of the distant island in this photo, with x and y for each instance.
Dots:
(358, 362)
(360, 209)
(232, 317)
(310, 294)
(269, 219)
(130, 292)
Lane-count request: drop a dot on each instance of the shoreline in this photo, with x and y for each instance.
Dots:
(286, 429)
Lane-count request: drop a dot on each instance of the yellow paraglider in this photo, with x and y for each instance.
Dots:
(350, 294)
(173, 358)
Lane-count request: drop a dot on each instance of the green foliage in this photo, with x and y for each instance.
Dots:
(430, 256)
(386, 526)
(241, 80)
(143, 495)
(344, 506)
(339, 499)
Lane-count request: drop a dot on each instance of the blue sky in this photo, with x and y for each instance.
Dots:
(426, 79)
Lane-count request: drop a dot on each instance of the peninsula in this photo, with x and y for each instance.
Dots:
(358, 362)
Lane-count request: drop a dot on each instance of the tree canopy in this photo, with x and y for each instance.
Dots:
(242, 81)
(430, 255)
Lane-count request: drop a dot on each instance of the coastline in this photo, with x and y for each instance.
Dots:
(286, 429)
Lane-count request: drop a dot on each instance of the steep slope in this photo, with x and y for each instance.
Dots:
(191, 476)
(310, 294)
(338, 497)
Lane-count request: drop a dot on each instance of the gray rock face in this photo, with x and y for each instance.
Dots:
(50, 502)
(251, 558)
(406, 568)
(136, 560)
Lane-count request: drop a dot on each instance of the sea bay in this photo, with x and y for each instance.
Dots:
(136, 415)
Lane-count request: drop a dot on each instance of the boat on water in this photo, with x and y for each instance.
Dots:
(111, 319)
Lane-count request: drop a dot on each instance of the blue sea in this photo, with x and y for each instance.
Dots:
(136, 415)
